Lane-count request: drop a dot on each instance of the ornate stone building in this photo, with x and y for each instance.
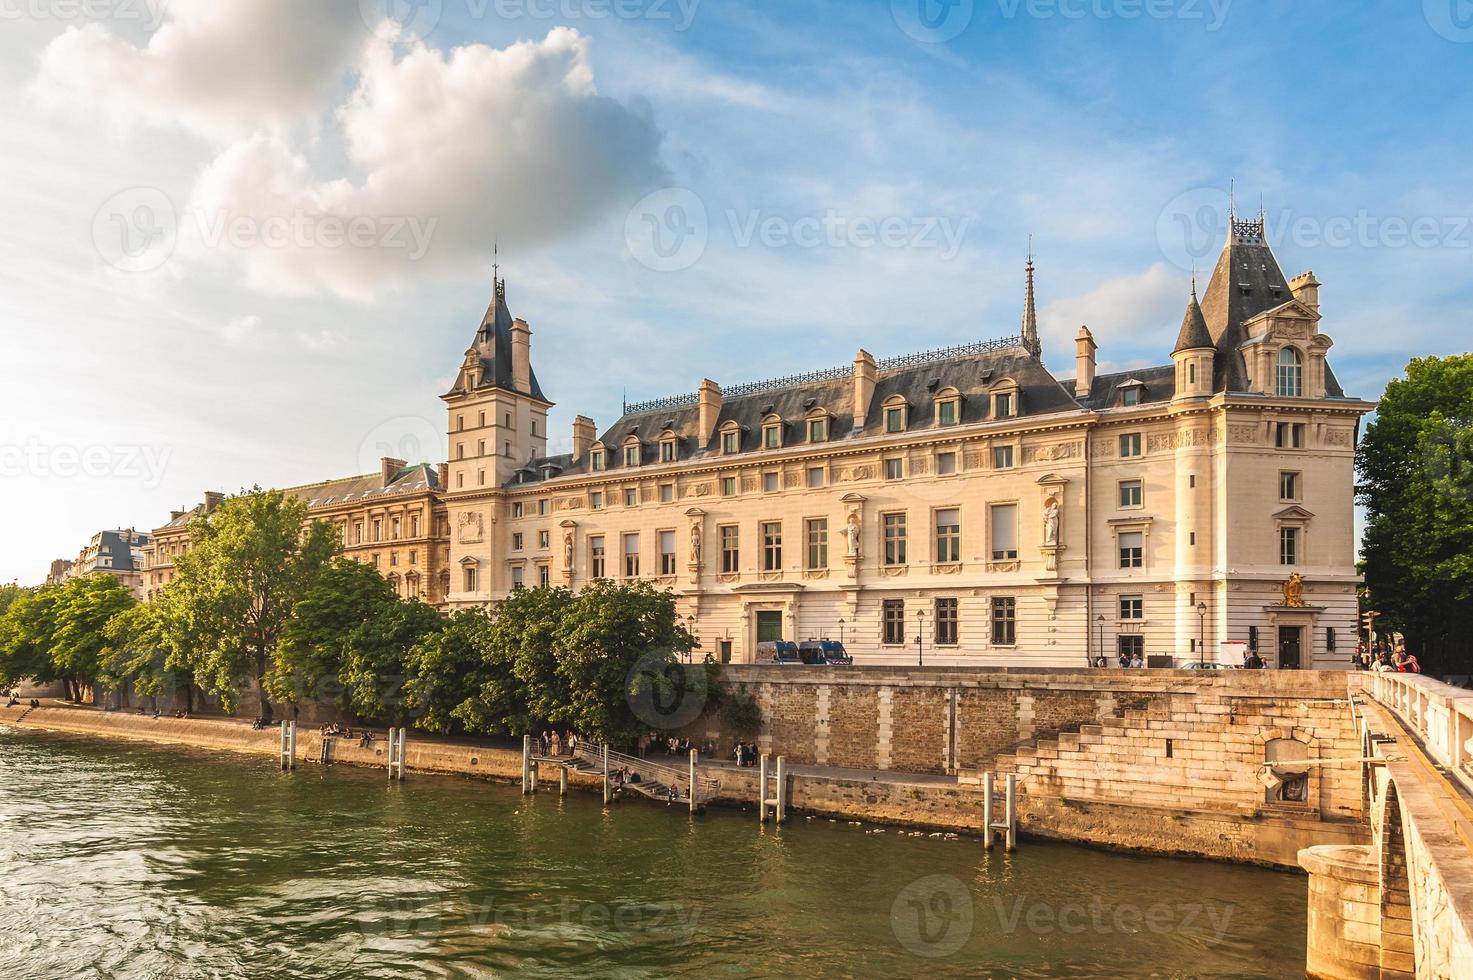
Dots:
(966, 497)
(119, 553)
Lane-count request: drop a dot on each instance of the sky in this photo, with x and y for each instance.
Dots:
(247, 241)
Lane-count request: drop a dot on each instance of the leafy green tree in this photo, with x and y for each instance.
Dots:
(375, 664)
(1415, 467)
(8, 594)
(251, 560)
(614, 640)
(522, 688)
(139, 652)
(83, 607)
(446, 671)
(310, 658)
(26, 632)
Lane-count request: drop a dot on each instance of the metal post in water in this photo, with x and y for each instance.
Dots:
(1012, 810)
(292, 745)
(988, 788)
(526, 764)
(694, 757)
(562, 780)
(782, 791)
(762, 789)
(403, 751)
(281, 752)
(607, 793)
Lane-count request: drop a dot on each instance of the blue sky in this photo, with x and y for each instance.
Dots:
(679, 191)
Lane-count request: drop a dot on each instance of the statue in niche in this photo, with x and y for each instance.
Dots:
(1051, 522)
(695, 543)
(568, 550)
(852, 532)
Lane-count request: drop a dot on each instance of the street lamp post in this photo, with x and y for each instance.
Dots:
(841, 632)
(690, 625)
(920, 637)
(1101, 621)
(1201, 634)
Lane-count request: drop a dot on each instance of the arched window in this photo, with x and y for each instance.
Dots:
(1291, 373)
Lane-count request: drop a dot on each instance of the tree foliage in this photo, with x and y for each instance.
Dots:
(249, 562)
(1415, 468)
(26, 631)
(140, 650)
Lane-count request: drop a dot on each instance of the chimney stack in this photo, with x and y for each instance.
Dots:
(1084, 362)
(709, 399)
(521, 356)
(1306, 289)
(865, 376)
(389, 467)
(213, 499)
(584, 435)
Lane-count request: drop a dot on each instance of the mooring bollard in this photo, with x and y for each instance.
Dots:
(782, 791)
(526, 764)
(562, 780)
(988, 789)
(288, 746)
(1012, 810)
(608, 796)
(762, 788)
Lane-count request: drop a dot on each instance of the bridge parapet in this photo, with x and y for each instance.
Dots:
(1440, 715)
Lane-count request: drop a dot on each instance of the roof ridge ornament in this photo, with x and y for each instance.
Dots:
(1029, 334)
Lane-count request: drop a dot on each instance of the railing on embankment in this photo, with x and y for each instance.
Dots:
(704, 789)
(1441, 716)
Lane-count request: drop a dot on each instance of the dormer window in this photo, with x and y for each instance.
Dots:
(948, 407)
(599, 460)
(1290, 373)
(896, 412)
(1130, 393)
(1005, 400)
(818, 429)
(667, 448)
(731, 439)
(772, 432)
(632, 453)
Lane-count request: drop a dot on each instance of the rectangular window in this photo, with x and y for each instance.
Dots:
(818, 430)
(894, 469)
(1130, 646)
(892, 617)
(731, 556)
(1130, 397)
(413, 557)
(667, 452)
(815, 477)
(772, 436)
(667, 552)
(1289, 435)
(728, 486)
(1004, 621)
(544, 575)
(596, 557)
(731, 441)
(414, 525)
(1132, 607)
(1004, 532)
(770, 483)
(469, 578)
(631, 455)
(516, 541)
(894, 420)
(543, 506)
(631, 556)
(818, 543)
(894, 536)
(667, 492)
(378, 530)
(1288, 486)
(598, 461)
(1132, 549)
(945, 464)
(1002, 457)
(516, 577)
(544, 538)
(1130, 445)
(596, 500)
(948, 536)
(1002, 405)
(946, 622)
(1132, 493)
(772, 546)
(946, 413)
(358, 532)
(631, 496)
(1288, 546)
(516, 509)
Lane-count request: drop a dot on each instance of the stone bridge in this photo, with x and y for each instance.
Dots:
(1401, 905)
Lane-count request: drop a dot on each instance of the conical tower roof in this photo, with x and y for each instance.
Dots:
(1194, 334)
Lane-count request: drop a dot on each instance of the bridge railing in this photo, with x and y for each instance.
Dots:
(706, 787)
(1442, 715)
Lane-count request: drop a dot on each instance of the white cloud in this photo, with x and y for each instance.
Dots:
(215, 68)
(1141, 310)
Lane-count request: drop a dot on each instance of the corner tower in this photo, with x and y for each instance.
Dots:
(1194, 352)
(497, 412)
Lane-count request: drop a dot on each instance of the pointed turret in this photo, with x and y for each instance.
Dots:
(1195, 354)
(1031, 342)
(1194, 334)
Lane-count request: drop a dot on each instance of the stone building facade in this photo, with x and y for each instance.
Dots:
(118, 552)
(958, 506)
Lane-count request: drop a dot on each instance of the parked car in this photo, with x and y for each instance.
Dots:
(824, 652)
(778, 652)
(1206, 665)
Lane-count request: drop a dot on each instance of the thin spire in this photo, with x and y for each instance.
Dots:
(1030, 313)
(1232, 198)
(496, 282)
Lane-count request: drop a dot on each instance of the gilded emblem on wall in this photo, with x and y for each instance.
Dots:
(1294, 591)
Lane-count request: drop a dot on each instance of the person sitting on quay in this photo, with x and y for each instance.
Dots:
(1124, 659)
(1137, 662)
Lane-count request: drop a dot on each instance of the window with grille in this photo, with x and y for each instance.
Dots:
(818, 542)
(894, 537)
(730, 550)
(893, 622)
(1291, 373)
(1132, 607)
(772, 546)
(1004, 620)
(946, 622)
(1288, 546)
(1132, 549)
(948, 536)
(596, 566)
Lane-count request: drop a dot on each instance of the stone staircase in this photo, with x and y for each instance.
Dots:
(655, 779)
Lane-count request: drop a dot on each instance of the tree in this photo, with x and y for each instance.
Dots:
(83, 607)
(250, 561)
(614, 641)
(375, 663)
(1415, 466)
(446, 672)
(26, 631)
(314, 643)
(523, 688)
(139, 651)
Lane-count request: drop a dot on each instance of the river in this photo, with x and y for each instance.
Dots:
(131, 860)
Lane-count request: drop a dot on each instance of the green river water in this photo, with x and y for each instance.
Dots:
(127, 860)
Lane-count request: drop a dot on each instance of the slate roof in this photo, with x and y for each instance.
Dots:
(1194, 334)
(1158, 384)
(353, 489)
(114, 545)
(492, 345)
